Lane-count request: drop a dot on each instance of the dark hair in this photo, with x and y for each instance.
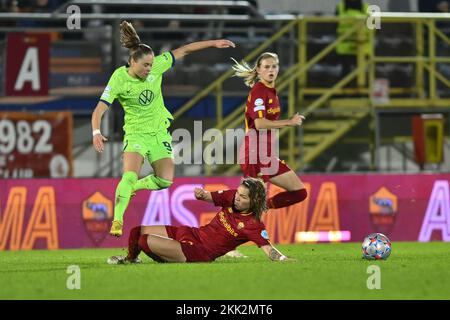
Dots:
(257, 195)
(130, 39)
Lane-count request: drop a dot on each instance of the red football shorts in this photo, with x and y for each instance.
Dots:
(258, 161)
(265, 171)
(193, 250)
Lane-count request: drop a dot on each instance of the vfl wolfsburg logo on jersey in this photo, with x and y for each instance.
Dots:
(146, 97)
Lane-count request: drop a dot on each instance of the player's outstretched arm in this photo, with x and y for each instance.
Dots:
(204, 195)
(200, 45)
(263, 123)
(274, 254)
(97, 137)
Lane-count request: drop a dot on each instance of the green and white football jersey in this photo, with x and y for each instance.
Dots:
(141, 100)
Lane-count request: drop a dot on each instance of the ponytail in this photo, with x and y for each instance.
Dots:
(130, 40)
(245, 71)
(250, 75)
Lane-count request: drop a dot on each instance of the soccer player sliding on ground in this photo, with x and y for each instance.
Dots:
(238, 221)
(138, 88)
(263, 111)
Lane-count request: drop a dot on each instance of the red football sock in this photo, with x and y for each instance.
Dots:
(286, 198)
(143, 244)
(133, 243)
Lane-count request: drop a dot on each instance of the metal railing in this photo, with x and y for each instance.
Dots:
(294, 80)
(183, 4)
(110, 23)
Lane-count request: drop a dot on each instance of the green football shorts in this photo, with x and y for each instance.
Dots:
(151, 146)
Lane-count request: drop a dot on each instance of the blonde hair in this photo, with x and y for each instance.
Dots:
(130, 40)
(250, 75)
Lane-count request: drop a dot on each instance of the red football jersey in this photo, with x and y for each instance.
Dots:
(262, 102)
(230, 228)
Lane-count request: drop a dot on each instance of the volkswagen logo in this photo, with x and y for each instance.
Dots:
(146, 97)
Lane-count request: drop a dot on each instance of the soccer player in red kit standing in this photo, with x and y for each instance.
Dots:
(263, 111)
(238, 221)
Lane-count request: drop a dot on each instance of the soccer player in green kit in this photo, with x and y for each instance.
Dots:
(146, 122)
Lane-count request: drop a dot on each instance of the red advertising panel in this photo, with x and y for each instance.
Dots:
(77, 213)
(27, 64)
(35, 145)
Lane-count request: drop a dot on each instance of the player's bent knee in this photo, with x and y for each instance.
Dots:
(162, 183)
(156, 230)
(303, 194)
(129, 177)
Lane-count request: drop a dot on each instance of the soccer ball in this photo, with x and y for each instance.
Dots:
(376, 246)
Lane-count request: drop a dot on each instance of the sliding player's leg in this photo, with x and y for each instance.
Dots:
(156, 230)
(133, 241)
(133, 244)
(161, 249)
(134, 249)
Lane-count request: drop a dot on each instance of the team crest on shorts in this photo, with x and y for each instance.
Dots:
(240, 225)
(265, 234)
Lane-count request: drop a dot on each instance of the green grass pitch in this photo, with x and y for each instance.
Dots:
(322, 271)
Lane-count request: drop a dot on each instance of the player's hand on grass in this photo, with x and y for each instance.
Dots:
(97, 141)
(200, 194)
(223, 43)
(297, 120)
